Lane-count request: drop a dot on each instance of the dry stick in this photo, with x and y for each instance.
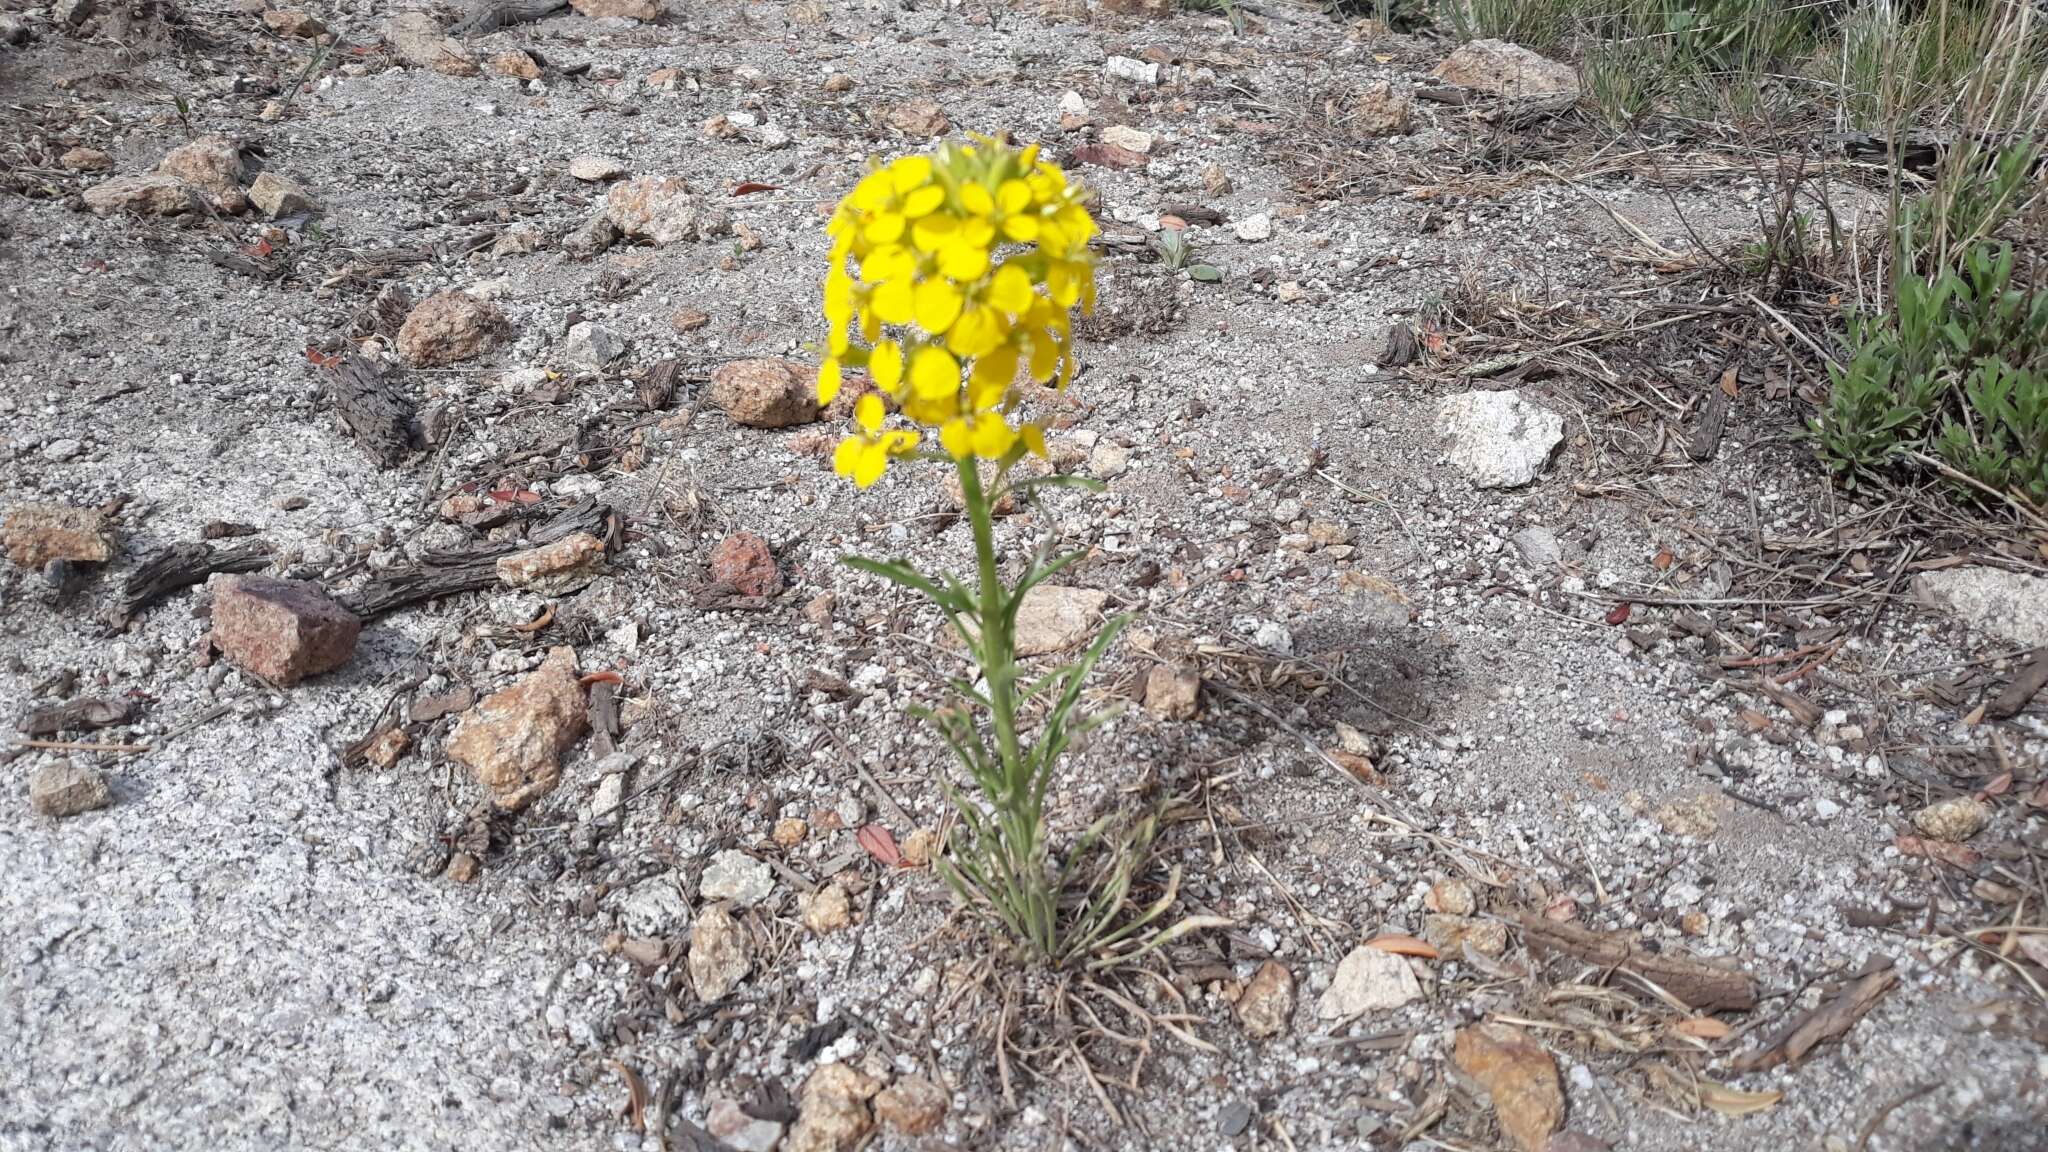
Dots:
(1788, 326)
(1631, 226)
(79, 746)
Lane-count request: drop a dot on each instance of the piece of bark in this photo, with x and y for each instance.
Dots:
(487, 16)
(1706, 434)
(2026, 684)
(376, 415)
(604, 719)
(1703, 986)
(76, 716)
(1401, 348)
(1830, 1019)
(181, 566)
(1805, 711)
(659, 387)
(449, 573)
(1192, 213)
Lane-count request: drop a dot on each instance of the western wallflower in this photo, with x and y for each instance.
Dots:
(954, 276)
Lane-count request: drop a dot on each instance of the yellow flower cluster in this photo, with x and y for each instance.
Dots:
(967, 264)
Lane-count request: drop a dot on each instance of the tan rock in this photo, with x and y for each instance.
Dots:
(1267, 1005)
(385, 750)
(592, 168)
(1499, 68)
(839, 82)
(922, 118)
(211, 166)
(766, 393)
(35, 534)
(920, 847)
(447, 328)
(1380, 108)
(832, 1111)
(422, 43)
(1173, 693)
(61, 789)
(556, 568)
(1453, 896)
(646, 10)
(1128, 138)
(1054, 618)
(1696, 817)
(661, 210)
(276, 196)
(1368, 980)
(730, 1125)
(913, 1105)
(718, 954)
(281, 630)
(790, 831)
(1955, 819)
(1452, 935)
(516, 64)
(292, 22)
(827, 910)
(1519, 1076)
(152, 195)
(513, 741)
(85, 160)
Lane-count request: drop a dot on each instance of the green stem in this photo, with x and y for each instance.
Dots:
(998, 657)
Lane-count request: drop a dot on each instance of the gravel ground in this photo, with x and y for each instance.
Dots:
(256, 945)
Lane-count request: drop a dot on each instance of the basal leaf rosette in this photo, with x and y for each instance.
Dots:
(954, 278)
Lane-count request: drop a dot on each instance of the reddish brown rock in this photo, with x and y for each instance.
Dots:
(292, 22)
(447, 328)
(1503, 69)
(36, 534)
(913, 1105)
(281, 630)
(152, 195)
(921, 117)
(766, 393)
(86, 160)
(513, 741)
(212, 167)
(516, 64)
(1519, 1076)
(743, 562)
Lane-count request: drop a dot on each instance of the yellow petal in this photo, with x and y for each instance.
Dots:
(924, 201)
(872, 192)
(977, 332)
(935, 232)
(938, 305)
(1034, 440)
(993, 437)
(909, 172)
(1014, 196)
(963, 261)
(868, 412)
(884, 228)
(828, 380)
(844, 456)
(975, 199)
(955, 438)
(899, 441)
(869, 464)
(893, 302)
(976, 232)
(1011, 289)
(1045, 357)
(1022, 229)
(934, 372)
(885, 364)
